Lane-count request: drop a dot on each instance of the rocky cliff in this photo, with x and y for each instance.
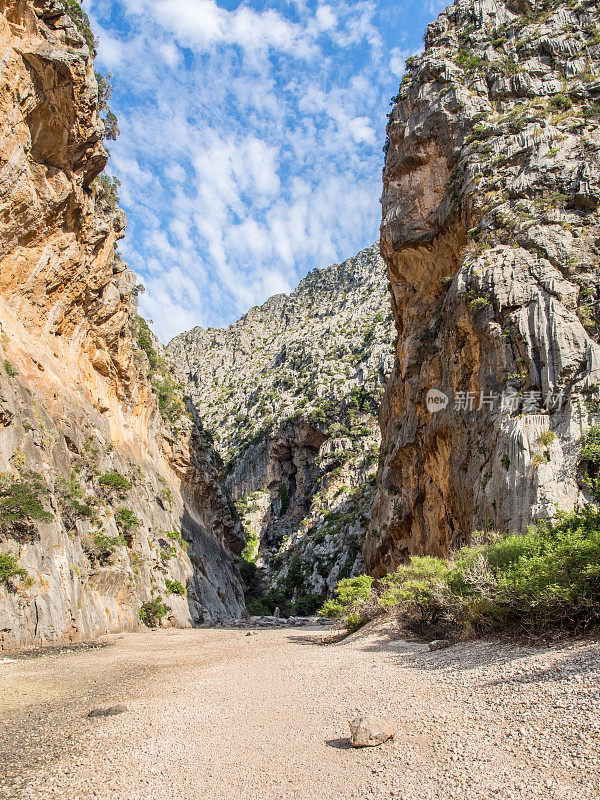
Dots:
(291, 394)
(109, 494)
(491, 236)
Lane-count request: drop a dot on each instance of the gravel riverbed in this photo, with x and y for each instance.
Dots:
(220, 715)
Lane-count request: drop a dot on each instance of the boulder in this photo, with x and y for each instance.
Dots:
(369, 730)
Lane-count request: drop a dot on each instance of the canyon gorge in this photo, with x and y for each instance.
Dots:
(250, 468)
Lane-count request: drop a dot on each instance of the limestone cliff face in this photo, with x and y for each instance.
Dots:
(290, 393)
(104, 500)
(491, 236)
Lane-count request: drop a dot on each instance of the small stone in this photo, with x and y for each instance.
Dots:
(107, 712)
(439, 644)
(370, 730)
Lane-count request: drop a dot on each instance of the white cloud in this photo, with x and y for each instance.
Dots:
(362, 130)
(175, 172)
(198, 22)
(250, 147)
(326, 18)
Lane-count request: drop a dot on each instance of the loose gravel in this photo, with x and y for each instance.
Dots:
(217, 715)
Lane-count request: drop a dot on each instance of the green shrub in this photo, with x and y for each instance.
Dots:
(471, 62)
(336, 430)
(505, 460)
(589, 460)
(70, 493)
(127, 522)
(167, 495)
(250, 551)
(21, 498)
(112, 480)
(546, 579)
(590, 446)
(105, 545)
(10, 370)
(9, 568)
(307, 605)
(318, 417)
(348, 593)
(175, 587)
(153, 611)
(170, 403)
(106, 190)
(167, 390)
(478, 303)
(145, 341)
(111, 126)
(295, 575)
(416, 583)
(256, 607)
(168, 552)
(547, 438)
(561, 102)
(592, 111)
(177, 537)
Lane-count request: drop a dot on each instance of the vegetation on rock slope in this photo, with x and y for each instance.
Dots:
(546, 579)
(291, 394)
(543, 580)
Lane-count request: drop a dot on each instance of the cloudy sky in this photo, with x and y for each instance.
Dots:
(251, 140)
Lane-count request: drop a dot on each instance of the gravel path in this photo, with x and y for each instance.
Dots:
(219, 715)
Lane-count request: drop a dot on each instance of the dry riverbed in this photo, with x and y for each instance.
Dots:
(220, 715)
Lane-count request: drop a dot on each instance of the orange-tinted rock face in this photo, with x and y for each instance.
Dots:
(76, 400)
(490, 234)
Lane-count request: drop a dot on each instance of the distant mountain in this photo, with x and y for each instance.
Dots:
(290, 394)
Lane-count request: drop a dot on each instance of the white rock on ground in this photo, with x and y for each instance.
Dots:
(369, 730)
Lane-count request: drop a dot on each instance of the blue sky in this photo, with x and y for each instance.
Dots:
(251, 141)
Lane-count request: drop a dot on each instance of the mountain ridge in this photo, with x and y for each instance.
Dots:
(290, 393)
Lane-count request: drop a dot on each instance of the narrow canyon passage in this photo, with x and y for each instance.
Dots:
(219, 715)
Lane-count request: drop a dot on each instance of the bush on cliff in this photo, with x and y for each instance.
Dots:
(128, 523)
(152, 611)
(546, 579)
(111, 480)
(10, 569)
(70, 494)
(168, 391)
(21, 500)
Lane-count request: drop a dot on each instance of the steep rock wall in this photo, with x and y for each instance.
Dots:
(126, 501)
(490, 233)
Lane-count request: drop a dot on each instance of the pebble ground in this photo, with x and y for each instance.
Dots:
(219, 715)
